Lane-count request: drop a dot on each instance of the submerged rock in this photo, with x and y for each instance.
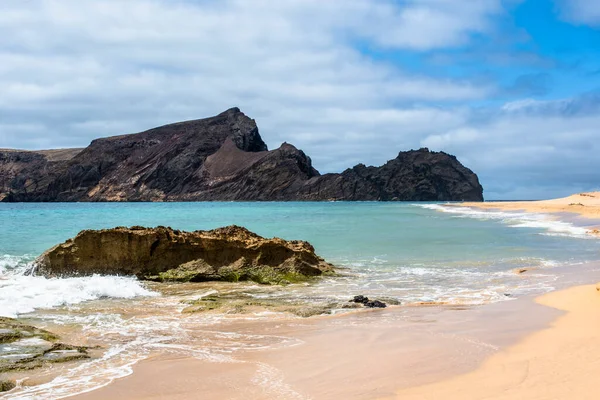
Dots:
(12, 330)
(24, 347)
(161, 254)
(243, 303)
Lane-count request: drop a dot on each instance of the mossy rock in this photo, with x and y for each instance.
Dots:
(242, 304)
(12, 330)
(207, 303)
(270, 276)
(163, 254)
(30, 347)
(6, 385)
(262, 275)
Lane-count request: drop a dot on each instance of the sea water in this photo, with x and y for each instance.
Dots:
(414, 253)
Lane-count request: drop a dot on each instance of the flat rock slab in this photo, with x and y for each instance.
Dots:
(25, 347)
(64, 355)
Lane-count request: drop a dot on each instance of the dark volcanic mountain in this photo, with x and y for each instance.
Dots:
(220, 158)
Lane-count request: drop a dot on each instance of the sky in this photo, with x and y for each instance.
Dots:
(511, 87)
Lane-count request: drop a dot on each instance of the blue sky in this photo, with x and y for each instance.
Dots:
(511, 87)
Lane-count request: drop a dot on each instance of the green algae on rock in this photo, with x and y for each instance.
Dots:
(164, 254)
(6, 385)
(239, 303)
(244, 303)
(25, 347)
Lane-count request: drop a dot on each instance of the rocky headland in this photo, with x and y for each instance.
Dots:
(221, 158)
(163, 254)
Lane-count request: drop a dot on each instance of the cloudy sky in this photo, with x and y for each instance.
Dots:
(511, 87)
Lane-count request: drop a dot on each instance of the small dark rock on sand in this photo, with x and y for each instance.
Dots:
(375, 304)
(368, 303)
(360, 299)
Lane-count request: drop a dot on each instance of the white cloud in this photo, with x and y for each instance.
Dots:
(460, 136)
(80, 70)
(76, 70)
(539, 147)
(420, 24)
(586, 12)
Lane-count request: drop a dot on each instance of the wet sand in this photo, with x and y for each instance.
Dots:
(559, 362)
(365, 355)
(547, 349)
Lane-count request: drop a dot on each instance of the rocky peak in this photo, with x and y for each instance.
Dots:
(245, 133)
(303, 162)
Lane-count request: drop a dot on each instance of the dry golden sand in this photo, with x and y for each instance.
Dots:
(585, 204)
(561, 362)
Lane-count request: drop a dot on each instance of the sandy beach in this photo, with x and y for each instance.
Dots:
(543, 349)
(583, 204)
(556, 363)
(356, 357)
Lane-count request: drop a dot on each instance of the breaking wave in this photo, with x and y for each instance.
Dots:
(21, 294)
(545, 222)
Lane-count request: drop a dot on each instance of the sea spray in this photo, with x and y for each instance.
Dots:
(21, 294)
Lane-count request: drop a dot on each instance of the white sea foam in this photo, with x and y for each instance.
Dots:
(9, 263)
(21, 294)
(545, 222)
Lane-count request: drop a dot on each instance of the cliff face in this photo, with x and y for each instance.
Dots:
(220, 158)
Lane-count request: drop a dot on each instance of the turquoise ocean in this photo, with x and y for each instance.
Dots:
(414, 253)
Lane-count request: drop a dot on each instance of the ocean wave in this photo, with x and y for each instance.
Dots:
(545, 222)
(11, 263)
(21, 294)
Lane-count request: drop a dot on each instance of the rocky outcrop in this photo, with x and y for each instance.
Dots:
(220, 158)
(164, 254)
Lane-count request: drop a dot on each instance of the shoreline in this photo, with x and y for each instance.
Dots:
(303, 373)
(363, 355)
(416, 345)
(584, 205)
(321, 367)
(554, 363)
